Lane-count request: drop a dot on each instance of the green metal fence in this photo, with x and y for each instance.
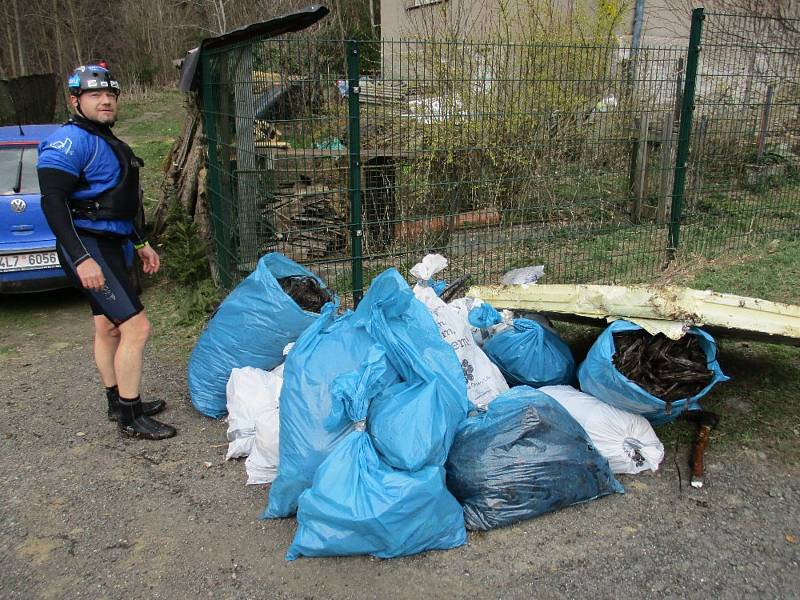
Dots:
(743, 183)
(596, 160)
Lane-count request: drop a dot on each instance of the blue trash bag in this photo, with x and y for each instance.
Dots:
(415, 422)
(250, 329)
(360, 505)
(599, 377)
(313, 423)
(529, 354)
(438, 286)
(523, 457)
(484, 316)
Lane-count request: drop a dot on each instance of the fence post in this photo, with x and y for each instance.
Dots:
(662, 212)
(247, 188)
(210, 112)
(639, 183)
(687, 110)
(762, 133)
(354, 147)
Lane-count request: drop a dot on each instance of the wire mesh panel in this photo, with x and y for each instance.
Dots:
(355, 156)
(508, 155)
(744, 179)
(277, 181)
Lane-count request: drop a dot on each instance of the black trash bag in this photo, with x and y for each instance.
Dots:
(306, 292)
(523, 457)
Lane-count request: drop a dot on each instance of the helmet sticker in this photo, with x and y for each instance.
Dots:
(103, 84)
(74, 80)
(92, 83)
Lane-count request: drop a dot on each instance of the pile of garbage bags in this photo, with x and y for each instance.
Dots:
(393, 428)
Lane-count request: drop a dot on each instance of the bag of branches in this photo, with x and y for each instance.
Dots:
(250, 329)
(650, 375)
(522, 457)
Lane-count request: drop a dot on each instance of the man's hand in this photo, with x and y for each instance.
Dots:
(91, 275)
(150, 260)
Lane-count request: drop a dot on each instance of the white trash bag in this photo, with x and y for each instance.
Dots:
(251, 393)
(484, 380)
(262, 464)
(626, 440)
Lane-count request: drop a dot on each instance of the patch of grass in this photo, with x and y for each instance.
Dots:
(178, 315)
(150, 122)
(761, 405)
(771, 271)
(157, 110)
(153, 154)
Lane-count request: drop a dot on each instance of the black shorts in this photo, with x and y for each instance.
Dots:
(117, 300)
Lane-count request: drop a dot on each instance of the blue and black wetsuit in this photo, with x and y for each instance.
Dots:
(89, 182)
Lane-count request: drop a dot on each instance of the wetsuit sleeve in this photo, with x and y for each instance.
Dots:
(56, 186)
(137, 237)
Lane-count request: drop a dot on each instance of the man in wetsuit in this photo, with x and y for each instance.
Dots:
(89, 182)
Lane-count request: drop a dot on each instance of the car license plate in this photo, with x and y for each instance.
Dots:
(26, 262)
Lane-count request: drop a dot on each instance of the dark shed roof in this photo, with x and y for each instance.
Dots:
(296, 21)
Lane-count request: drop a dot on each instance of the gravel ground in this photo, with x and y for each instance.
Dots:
(86, 514)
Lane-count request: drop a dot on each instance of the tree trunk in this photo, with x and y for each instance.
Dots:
(20, 47)
(75, 29)
(10, 38)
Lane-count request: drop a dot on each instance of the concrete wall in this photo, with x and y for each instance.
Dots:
(666, 22)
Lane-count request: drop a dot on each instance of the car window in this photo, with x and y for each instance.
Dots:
(10, 170)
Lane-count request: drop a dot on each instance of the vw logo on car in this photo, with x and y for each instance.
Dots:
(18, 205)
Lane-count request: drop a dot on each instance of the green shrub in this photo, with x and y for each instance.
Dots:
(200, 301)
(185, 252)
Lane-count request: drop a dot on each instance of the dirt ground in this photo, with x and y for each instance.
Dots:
(86, 514)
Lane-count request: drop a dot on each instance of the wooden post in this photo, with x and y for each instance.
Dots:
(762, 133)
(640, 171)
(665, 170)
(678, 91)
(697, 173)
(634, 154)
(246, 176)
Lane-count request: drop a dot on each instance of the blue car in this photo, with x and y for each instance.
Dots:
(28, 259)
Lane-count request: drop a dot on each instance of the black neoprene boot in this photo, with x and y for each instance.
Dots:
(148, 408)
(134, 423)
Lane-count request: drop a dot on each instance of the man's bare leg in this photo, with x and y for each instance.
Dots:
(128, 358)
(106, 341)
(128, 371)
